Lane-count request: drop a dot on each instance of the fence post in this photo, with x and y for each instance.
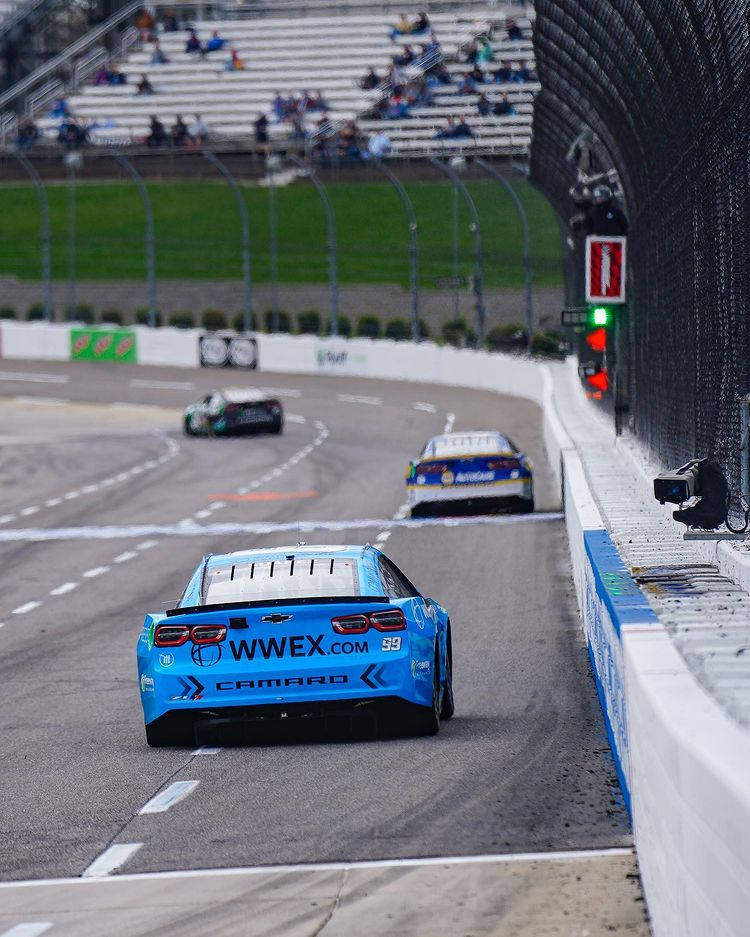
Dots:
(413, 246)
(492, 171)
(271, 164)
(46, 234)
(71, 237)
(332, 243)
(247, 317)
(150, 252)
(479, 259)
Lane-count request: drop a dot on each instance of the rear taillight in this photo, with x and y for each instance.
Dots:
(391, 620)
(431, 468)
(171, 635)
(503, 464)
(208, 634)
(350, 624)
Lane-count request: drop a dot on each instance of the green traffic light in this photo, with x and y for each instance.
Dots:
(600, 315)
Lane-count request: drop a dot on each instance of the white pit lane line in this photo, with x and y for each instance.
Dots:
(161, 385)
(27, 607)
(360, 398)
(177, 791)
(64, 588)
(110, 860)
(425, 407)
(28, 929)
(34, 378)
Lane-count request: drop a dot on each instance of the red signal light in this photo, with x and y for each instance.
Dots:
(599, 381)
(597, 340)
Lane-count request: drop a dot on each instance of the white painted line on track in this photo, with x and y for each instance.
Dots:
(189, 528)
(217, 505)
(450, 419)
(177, 791)
(43, 401)
(34, 509)
(7, 518)
(360, 398)
(89, 489)
(64, 588)
(95, 571)
(124, 557)
(123, 476)
(34, 378)
(2, 624)
(207, 750)
(147, 544)
(382, 536)
(27, 607)
(294, 418)
(71, 494)
(161, 385)
(281, 391)
(426, 407)
(53, 502)
(204, 513)
(28, 929)
(110, 860)
(500, 859)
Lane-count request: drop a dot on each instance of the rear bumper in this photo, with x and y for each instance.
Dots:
(511, 488)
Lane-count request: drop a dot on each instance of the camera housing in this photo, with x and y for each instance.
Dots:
(678, 486)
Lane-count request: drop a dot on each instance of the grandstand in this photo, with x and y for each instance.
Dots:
(326, 53)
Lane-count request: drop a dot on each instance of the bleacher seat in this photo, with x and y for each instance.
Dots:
(326, 54)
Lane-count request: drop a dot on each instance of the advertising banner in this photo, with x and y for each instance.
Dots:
(228, 351)
(103, 345)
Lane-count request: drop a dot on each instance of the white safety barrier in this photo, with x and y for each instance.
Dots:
(684, 766)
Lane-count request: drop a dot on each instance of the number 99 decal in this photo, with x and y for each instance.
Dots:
(391, 644)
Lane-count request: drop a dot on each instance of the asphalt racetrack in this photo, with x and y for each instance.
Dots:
(518, 780)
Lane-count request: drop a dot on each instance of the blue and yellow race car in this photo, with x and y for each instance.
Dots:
(295, 632)
(477, 469)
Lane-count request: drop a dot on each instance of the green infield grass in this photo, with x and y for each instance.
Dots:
(198, 233)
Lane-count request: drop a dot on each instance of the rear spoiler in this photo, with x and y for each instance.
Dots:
(276, 603)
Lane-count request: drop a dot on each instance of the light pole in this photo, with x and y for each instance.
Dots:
(476, 230)
(413, 246)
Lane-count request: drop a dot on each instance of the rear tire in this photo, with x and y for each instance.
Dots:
(278, 428)
(448, 706)
(526, 505)
(186, 428)
(165, 733)
(428, 720)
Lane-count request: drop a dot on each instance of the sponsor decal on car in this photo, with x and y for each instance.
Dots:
(147, 684)
(206, 655)
(296, 645)
(166, 660)
(392, 643)
(447, 478)
(463, 477)
(268, 683)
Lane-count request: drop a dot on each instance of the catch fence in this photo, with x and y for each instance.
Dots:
(664, 86)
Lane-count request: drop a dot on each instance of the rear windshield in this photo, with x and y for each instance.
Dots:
(471, 444)
(299, 578)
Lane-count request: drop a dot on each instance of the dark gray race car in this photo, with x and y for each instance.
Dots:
(234, 411)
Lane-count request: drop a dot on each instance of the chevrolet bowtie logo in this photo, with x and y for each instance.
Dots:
(276, 618)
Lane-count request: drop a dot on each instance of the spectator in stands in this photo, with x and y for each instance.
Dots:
(404, 58)
(116, 77)
(418, 93)
(28, 133)
(157, 135)
(102, 76)
(484, 51)
(72, 135)
(513, 29)
(215, 43)
(144, 86)
(477, 74)
(421, 23)
(179, 132)
(402, 26)
(433, 49)
(261, 130)
(318, 102)
(169, 22)
(438, 74)
(145, 24)
(235, 63)
(484, 107)
(472, 50)
(198, 130)
(397, 108)
(157, 56)
(348, 143)
(396, 78)
(370, 80)
(379, 144)
(278, 106)
(503, 107)
(193, 43)
(60, 108)
(455, 131)
(468, 84)
(504, 73)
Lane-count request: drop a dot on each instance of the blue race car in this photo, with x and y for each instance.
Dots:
(478, 469)
(295, 632)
